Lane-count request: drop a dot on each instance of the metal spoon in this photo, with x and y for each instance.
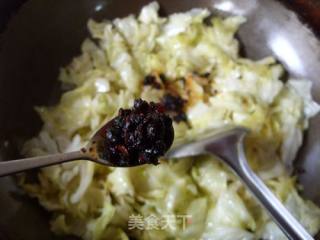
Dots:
(89, 152)
(226, 144)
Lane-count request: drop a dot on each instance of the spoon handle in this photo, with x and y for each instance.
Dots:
(15, 166)
(289, 225)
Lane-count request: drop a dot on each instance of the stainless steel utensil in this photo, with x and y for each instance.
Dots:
(227, 144)
(91, 152)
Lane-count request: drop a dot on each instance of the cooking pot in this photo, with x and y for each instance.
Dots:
(40, 36)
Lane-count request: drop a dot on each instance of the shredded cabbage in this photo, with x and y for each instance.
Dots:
(193, 198)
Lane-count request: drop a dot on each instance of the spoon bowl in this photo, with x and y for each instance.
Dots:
(215, 141)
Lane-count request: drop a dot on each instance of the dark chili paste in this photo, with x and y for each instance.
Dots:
(155, 80)
(152, 81)
(174, 105)
(139, 135)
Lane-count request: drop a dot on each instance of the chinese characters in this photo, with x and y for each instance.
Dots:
(153, 222)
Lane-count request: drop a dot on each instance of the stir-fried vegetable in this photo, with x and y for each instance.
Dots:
(194, 198)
